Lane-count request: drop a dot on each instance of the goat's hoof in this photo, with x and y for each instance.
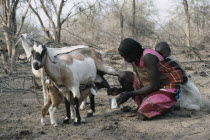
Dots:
(66, 121)
(89, 115)
(77, 123)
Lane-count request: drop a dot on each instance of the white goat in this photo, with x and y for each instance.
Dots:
(68, 71)
(27, 44)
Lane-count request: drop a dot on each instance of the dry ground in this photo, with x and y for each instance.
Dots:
(20, 119)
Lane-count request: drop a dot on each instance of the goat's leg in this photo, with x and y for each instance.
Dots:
(83, 104)
(68, 113)
(92, 106)
(77, 119)
(52, 116)
(73, 113)
(76, 96)
(44, 110)
(44, 91)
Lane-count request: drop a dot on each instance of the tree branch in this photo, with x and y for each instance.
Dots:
(15, 4)
(68, 15)
(41, 22)
(89, 43)
(23, 19)
(54, 6)
(60, 8)
(47, 14)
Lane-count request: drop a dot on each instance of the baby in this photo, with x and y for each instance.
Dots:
(190, 94)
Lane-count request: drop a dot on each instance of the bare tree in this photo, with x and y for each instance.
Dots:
(187, 17)
(8, 24)
(54, 30)
(120, 9)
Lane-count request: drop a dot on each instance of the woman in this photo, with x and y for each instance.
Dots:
(158, 83)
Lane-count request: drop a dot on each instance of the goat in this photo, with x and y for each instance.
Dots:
(27, 44)
(69, 71)
(55, 97)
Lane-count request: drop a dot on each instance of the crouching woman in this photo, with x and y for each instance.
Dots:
(156, 83)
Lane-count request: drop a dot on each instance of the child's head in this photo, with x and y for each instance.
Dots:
(164, 49)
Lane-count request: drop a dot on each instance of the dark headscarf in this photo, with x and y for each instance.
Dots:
(130, 46)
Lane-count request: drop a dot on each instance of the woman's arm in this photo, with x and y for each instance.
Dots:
(151, 64)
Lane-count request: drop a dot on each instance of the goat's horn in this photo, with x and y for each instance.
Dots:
(17, 41)
(37, 42)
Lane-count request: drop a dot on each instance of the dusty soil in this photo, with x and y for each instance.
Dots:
(20, 118)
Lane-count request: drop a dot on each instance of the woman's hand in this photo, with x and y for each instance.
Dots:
(124, 96)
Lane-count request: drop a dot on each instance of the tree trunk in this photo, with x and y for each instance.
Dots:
(5, 64)
(187, 17)
(8, 43)
(13, 60)
(121, 24)
(58, 35)
(134, 20)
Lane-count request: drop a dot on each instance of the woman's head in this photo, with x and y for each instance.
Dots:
(130, 49)
(163, 49)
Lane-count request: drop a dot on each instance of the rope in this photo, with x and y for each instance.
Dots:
(138, 76)
(62, 53)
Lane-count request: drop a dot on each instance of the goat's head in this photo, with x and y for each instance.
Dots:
(39, 55)
(27, 44)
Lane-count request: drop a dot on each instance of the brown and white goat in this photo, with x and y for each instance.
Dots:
(69, 71)
(55, 97)
(27, 44)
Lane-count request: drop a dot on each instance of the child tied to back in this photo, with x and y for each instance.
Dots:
(190, 97)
